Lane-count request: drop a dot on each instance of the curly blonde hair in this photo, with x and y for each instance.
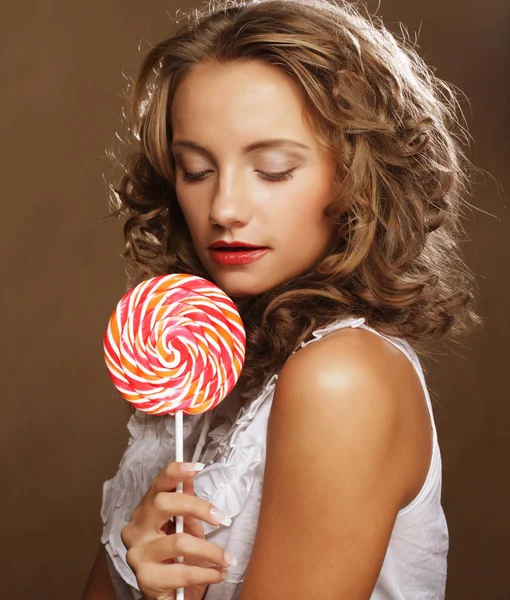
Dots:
(401, 174)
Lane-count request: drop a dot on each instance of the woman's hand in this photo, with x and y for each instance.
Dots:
(153, 546)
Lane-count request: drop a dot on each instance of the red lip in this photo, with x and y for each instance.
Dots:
(230, 256)
(224, 244)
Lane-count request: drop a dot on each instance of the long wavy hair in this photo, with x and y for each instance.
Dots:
(401, 174)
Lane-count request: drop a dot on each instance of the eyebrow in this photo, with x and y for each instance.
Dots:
(271, 143)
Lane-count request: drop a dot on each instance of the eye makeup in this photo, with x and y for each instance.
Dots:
(280, 176)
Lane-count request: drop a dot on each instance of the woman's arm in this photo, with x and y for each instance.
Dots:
(99, 586)
(342, 458)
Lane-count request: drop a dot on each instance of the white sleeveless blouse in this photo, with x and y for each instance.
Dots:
(230, 440)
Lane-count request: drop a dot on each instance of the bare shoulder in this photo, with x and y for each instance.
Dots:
(356, 350)
(354, 374)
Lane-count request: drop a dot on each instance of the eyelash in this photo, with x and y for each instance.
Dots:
(270, 176)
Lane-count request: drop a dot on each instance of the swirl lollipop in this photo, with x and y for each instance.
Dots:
(175, 344)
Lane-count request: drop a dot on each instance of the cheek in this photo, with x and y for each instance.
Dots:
(298, 225)
(191, 213)
(304, 210)
(303, 225)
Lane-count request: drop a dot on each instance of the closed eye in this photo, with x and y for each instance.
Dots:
(269, 176)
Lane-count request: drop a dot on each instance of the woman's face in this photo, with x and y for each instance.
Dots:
(218, 112)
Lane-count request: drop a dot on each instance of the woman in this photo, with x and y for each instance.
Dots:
(307, 132)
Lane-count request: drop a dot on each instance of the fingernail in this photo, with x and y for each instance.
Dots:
(224, 574)
(230, 559)
(192, 466)
(217, 515)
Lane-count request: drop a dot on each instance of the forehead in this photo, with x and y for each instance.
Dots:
(239, 102)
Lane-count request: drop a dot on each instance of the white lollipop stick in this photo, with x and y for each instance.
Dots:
(179, 521)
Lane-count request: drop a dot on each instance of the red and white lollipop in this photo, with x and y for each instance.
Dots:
(175, 343)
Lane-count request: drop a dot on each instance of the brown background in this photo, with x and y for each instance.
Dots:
(63, 427)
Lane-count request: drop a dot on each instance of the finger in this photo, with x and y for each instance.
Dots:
(171, 504)
(166, 548)
(156, 579)
(188, 488)
(192, 525)
(170, 475)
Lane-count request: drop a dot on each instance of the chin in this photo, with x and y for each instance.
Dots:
(238, 287)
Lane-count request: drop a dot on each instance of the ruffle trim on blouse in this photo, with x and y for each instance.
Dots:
(320, 333)
(226, 482)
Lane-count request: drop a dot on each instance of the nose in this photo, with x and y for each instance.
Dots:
(231, 206)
